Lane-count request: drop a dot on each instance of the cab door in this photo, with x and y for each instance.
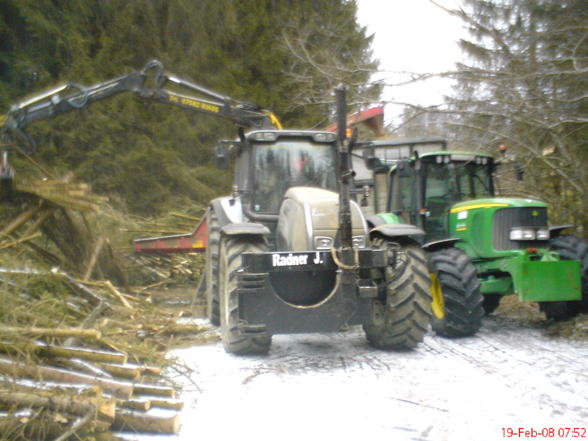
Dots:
(402, 196)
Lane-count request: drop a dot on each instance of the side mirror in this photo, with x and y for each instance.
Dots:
(221, 157)
(221, 153)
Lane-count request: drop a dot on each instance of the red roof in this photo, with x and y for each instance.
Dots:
(373, 118)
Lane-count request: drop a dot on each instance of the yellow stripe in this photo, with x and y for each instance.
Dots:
(2, 119)
(473, 207)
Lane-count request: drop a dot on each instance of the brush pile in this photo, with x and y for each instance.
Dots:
(83, 333)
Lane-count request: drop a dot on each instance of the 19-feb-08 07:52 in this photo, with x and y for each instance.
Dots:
(545, 432)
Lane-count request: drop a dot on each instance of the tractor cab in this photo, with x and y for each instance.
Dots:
(422, 192)
(285, 178)
(281, 160)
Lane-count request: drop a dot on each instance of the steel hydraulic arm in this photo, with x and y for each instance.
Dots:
(151, 82)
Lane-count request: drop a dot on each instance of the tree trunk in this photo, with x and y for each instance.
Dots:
(149, 389)
(117, 388)
(147, 422)
(52, 332)
(104, 408)
(65, 351)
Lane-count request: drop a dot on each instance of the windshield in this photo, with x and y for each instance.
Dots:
(449, 183)
(457, 181)
(290, 163)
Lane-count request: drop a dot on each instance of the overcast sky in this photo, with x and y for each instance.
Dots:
(415, 36)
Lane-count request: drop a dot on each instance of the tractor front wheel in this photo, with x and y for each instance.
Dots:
(234, 340)
(457, 301)
(401, 319)
(573, 248)
(491, 302)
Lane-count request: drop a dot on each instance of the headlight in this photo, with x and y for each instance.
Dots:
(522, 233)
(543, 234)
(358, 241)
(323, 243)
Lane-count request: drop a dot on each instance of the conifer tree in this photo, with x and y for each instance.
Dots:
(281, 54)
(525, 86)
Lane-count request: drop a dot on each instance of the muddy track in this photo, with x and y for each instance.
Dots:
(511, 375)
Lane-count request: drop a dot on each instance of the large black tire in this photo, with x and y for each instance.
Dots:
(211, 270)
(556, 311)
(491, 302)
(234, 340)
(457, 279)
(401, 320)
(574, 248)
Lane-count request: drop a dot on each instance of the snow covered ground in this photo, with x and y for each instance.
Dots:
(336, 387)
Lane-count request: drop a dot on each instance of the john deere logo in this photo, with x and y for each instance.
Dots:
(535, 213)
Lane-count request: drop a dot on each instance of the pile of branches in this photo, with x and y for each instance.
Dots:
(59, 380)
(82, 340)
(54, 222)
(60, 223)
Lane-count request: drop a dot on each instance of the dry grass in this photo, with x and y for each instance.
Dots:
(529, 314)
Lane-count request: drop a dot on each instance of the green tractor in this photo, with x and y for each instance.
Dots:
(480, 247)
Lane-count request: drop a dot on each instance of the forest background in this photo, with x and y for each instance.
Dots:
(523, 83)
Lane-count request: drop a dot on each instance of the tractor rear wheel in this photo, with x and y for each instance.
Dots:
(556, 311)
(460, 312)
(401, 319)
(211, 269)
(573, 248)
(491, 302)
(234, 340)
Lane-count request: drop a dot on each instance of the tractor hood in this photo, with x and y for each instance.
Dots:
(496, 203)
(485, 225)
(308, 220)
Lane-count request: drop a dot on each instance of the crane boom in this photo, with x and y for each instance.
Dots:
(71, 96)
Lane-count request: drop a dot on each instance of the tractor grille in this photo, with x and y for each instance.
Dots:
(506, 218)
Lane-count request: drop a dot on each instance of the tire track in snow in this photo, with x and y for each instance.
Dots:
(336, 386)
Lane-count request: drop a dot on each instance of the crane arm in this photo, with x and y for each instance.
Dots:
(72, 96)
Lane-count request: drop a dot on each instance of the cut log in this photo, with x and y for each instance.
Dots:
(168, 403)
(117, 388)
(82, 366)
(149, 422)
(149, 389)
(185, 328)
(52, 332)
(103, 408)
(26, 385)
(65, 351)
(137, 404)
(151, 370)
(131, 372)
